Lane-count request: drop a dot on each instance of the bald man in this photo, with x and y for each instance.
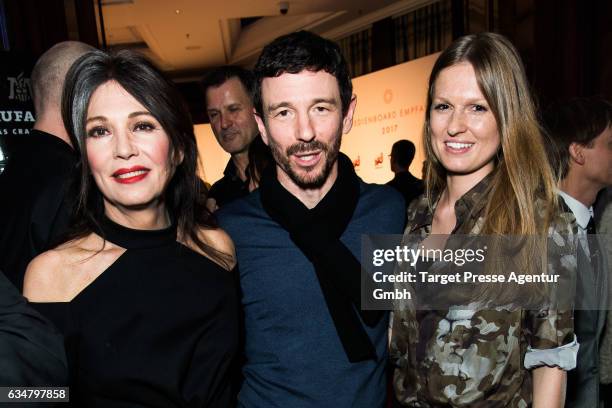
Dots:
(34, 183)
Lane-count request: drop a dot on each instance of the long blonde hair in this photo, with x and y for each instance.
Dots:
(522, 172)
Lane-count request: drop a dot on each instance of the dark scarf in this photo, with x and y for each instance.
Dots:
(316, 232)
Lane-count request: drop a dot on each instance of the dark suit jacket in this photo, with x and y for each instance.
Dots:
(410, 186)
(33, 209)
(592, 293)
(31, 349)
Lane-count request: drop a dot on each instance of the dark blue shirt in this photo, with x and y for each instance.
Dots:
(229, 187)
(294, 357)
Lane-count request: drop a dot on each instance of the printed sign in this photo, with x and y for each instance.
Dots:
(16, 106)
(390, 107)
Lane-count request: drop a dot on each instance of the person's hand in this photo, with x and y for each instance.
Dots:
(211, 204)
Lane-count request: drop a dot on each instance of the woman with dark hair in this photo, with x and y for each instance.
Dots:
(141, 287)
(486, 174)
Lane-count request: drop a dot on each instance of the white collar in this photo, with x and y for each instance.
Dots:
(582, 213)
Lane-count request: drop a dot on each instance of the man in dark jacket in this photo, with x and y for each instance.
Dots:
(34, 182)
(580, 132)
(402, 154)
(228, 93)
(31, 349)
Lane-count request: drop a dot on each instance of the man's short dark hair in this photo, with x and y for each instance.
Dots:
(302, 50)
(403, 153)
(578, 120)
(220, 75)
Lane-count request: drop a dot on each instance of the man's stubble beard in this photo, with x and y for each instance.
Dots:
(329, 151)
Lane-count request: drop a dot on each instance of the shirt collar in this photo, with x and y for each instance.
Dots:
(471, 203)
(230, 169)
(468, 206)
(582, 213)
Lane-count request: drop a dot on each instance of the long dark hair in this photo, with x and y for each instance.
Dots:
(184, 196)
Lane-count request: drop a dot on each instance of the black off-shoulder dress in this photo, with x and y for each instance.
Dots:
(158, 328)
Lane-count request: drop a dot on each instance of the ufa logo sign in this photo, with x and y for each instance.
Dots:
(20, 88)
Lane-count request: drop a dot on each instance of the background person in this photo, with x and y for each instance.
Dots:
(604, 226)
(141, 289)
(487, 174)
(35, 181)
(228, 92)
(580, 132)
(402, 154)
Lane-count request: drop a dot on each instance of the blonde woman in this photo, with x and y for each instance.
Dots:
(486, 173)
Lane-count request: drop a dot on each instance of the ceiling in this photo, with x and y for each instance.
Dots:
(185, 37)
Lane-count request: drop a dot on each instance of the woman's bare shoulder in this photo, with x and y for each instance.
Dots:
(49, 276)
(45, 274)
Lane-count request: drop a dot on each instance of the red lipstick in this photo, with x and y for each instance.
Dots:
(130, 175)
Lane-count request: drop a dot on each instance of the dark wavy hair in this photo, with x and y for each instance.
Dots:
(577, 120)
(220, 75)
(185, 195)
(302, 50)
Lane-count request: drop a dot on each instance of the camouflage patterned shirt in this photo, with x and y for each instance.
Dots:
(475, 358)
